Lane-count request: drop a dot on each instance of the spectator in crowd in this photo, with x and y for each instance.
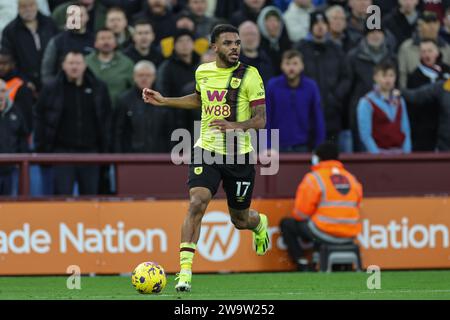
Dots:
(445, 30)
(27, 37)
(77, 39)
(402, 21)
(139, 128)
(9, 10)
(386, 6)
(371, 51)
(208, 56)
(131, 7)
(116, 21)
(326, 197)
(72, 116)
(409, 53)
(357, 18)
(203, 23)
(430, 68)
(17, 90)
(251, 52)
(175, 73)
(326, 64)
(293, 107)
(436, 93)
(330, 3)
(95, 9)
(224, 9)
(338, 28)
(357, 21)
(162, 19)
(143, 46)
(109, 65)
(296, 18)
(13, 133)
(249, 10)
(184, 20)
(274, 38)
(437, 6)
(382, 115)
(424, 119)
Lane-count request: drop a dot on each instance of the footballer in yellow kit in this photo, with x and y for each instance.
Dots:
(232, 97)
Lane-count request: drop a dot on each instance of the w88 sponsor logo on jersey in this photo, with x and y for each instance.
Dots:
(218, 110)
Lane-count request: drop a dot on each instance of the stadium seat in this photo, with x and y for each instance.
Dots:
(327, 255)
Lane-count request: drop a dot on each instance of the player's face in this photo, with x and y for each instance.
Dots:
(228, 48)
(385, 79)
(292, 68)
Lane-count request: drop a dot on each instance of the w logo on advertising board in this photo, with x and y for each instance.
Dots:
(219, 240)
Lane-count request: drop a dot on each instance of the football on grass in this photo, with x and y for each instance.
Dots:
(148, 277)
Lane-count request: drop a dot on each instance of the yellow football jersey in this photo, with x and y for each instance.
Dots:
(212, 84)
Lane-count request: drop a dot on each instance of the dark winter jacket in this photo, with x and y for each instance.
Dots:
(439, 93)
(173, 75)
(163, 26)
(361, 62)
(139, 127)
(424, 119)
(50, 106)
(13, 133)
(57, 48)
(326, 63)
(399, 26)
(18, 39)
(262, 62)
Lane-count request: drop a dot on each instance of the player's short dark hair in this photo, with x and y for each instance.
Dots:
(292, 53)
(222, 28)
(327, 151)
(385, 66)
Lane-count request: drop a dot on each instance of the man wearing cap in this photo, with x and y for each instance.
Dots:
(326, 63)
(370, 51)
(409, 54)
(175, 73)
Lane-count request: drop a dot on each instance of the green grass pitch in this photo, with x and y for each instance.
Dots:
(265, 286)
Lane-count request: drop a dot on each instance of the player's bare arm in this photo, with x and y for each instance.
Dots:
(191, 101)
(257, 121)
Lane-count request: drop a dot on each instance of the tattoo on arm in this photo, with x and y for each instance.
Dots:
(258, 119)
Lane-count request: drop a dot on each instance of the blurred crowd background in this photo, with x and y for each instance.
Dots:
(71, 80)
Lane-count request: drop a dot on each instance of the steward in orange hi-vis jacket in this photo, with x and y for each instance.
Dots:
(326, 206)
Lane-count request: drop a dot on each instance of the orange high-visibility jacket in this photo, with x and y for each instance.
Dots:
(330, 196)
(12, 86)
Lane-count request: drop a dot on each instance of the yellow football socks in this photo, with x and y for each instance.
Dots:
(187, 251)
